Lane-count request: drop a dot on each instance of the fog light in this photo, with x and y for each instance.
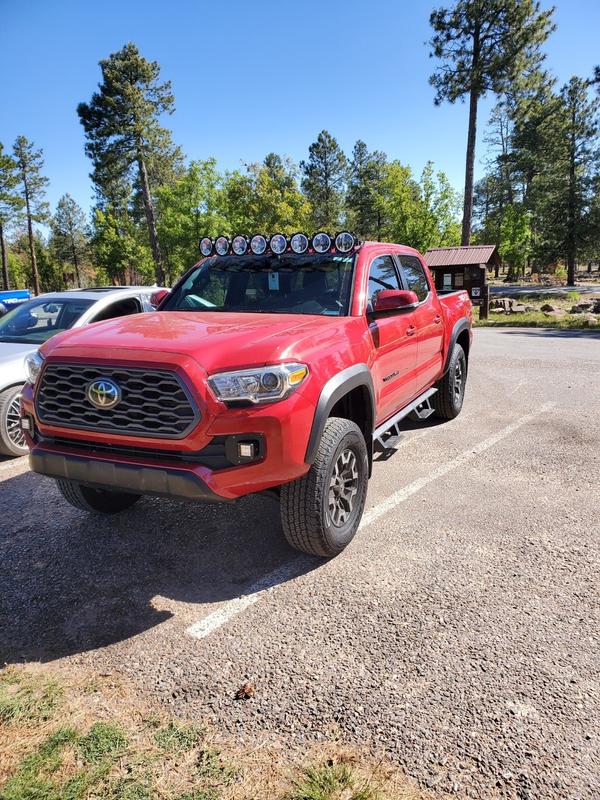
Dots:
(246, 450)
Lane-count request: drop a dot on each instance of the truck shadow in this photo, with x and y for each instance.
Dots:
(72, 582)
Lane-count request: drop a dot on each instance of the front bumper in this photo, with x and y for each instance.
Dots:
(122, 476)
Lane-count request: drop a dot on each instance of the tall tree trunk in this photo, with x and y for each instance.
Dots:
(75, 261)
(571, 207)
(34, 268)
(151, 221)
(470, 167)
(5, 278)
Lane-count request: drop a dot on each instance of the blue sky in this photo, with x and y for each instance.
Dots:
(250, 78)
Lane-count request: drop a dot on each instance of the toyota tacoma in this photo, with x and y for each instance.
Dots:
(276, 364)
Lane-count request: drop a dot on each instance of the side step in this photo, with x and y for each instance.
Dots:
(388, 435)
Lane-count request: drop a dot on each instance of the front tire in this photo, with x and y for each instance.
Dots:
(321, 511)
(97, 501)
(12, 438)
(448, 400)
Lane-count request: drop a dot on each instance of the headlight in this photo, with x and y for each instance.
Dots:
(260, 385)
(33, 366)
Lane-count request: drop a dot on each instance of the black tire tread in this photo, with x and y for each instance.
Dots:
(301, 499)
(74, 493)
(443, 400)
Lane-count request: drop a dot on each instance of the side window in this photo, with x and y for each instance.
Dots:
(414, 276)
(120, 308)
(382, 275)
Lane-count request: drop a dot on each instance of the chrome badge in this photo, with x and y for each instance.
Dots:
(103, 393)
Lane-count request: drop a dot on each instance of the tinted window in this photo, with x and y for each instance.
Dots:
(38, 320)
(121, 308)
(414, 275)
(286, 284)
(382, 275)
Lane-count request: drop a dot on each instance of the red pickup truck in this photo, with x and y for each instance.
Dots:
(276, 364)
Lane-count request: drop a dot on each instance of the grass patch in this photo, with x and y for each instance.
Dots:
(535, 319)
(61, 741)
(27, 698)
(331, 782)
(177, 738)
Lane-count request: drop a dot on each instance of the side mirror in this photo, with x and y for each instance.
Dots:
(395, 299)
(156, 298)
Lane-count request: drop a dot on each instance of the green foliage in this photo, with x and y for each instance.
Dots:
(323, 182)
(69, 240)
(366, 174)
(212, 769)
(104, 740)
(29, 163)
(24, 698)
(330, 782)
(515, 239)
(118, 249)
(176, 737)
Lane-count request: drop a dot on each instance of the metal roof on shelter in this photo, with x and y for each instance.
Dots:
(457, 256)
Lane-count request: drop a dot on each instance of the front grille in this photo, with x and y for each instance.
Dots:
(153, 402)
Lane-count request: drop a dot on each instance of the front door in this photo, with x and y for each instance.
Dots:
(393, 334)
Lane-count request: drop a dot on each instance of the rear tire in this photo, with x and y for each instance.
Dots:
(448, 400)
(12, 438)
(97, 501)
(321, 511)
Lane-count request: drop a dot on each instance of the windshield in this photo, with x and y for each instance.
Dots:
(38, 320)
(286, 284)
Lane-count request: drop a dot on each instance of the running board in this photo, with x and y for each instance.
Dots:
(387, 435)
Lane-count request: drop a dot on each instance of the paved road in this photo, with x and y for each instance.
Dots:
(509, 290)
(458, 633)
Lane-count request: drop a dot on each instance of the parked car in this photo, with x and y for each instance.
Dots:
(278, 365)
(27, 326)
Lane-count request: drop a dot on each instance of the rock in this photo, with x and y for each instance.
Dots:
(548, 307)
(530, 308)
(518, 309)
(592, 320)
(556, 313)
(503, 303)
(581, 308)
(496, 311)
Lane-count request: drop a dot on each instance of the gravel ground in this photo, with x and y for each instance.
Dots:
(458, 633)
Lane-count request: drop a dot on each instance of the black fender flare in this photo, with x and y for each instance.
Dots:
(335, 388)
(459, 326)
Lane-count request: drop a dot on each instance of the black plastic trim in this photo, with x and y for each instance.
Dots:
(334, 390)
(123, 477)
(459, 326)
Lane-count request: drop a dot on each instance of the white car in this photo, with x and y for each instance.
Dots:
(28, 326)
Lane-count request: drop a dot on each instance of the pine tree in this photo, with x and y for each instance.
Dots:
(69, 235)
(29, 165)
(125, 140)
(366, 173)
(483, 45)
(323, 181)
(11, 203)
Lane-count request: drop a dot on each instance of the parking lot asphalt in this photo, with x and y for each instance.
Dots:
(458, 634)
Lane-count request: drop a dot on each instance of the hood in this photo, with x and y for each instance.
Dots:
(216, 340)
(12, 369)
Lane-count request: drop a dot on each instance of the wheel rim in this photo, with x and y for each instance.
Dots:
(13, 424)
(458, 380)
(343, 487)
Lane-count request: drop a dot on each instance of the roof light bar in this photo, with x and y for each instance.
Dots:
(278, 243)
(321, 242)
(206, 246)
(299, 243)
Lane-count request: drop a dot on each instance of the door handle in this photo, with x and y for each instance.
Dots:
(437, 319)
(411, 330)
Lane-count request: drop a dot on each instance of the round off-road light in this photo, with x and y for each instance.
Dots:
(278, 243)
(299, 243)
(258, 244)
(239, 245)
(344, 242)
(321, 242)
(270, 381)
(206, 246)
(222, 245)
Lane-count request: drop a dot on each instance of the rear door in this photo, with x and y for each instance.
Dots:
(428, 320)
(394, 342)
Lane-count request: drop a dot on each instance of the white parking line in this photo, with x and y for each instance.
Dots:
(232, 608)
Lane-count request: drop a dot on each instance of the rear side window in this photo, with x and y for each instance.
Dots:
(382, 275)
(414, 276)
(121, 308)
